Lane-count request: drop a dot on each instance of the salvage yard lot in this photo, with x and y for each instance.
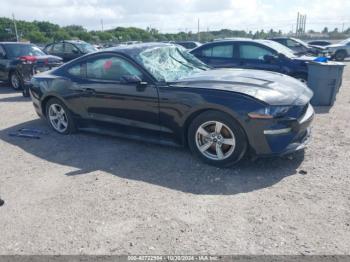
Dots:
(93, 194)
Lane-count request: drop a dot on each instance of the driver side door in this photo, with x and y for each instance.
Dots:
(114, 103)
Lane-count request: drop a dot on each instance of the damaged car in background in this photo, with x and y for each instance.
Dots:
(159, 92)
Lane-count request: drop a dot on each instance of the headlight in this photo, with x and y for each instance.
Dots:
(269, 112)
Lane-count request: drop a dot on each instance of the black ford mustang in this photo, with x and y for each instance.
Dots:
(159, 92)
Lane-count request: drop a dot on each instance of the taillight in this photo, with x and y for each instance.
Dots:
(28, 59)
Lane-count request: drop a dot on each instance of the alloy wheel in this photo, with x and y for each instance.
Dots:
(215, 140)
(15, 81)
(58, 118)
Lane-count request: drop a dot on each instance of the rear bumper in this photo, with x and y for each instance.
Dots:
(283, 136)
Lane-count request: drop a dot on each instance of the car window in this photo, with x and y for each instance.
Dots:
(57, 48)
(291, 43)
(2, 51)
(48, 49)
(70, 49)
(76, 70)
(247, 51)
(219, 51)
(110, 68)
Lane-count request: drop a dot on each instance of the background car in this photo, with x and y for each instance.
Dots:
(19, 61)
(188, 44)
(69, 49)
(298, 46)
(253, 54)
(339, 51)
(319, 43)
(159, 92)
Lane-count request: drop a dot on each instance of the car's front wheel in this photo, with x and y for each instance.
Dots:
(340, 55)
(217, 139)
(59, 117)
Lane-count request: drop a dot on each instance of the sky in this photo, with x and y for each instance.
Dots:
(183, 15)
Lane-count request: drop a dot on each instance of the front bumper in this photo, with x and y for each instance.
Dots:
(281, 136)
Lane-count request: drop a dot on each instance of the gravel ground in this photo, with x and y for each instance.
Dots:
(90, 194)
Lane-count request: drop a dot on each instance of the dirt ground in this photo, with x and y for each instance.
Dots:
(91, 194)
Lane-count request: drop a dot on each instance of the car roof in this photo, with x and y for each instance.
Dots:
(136, 48)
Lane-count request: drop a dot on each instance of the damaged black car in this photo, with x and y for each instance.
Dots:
(159, 92)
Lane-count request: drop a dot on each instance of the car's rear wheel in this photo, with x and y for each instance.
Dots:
(16, 81)
(59, 117)
(217, 139)
(340, 55)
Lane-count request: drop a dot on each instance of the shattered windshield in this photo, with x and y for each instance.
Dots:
(170, 63)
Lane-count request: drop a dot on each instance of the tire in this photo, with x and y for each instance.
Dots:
(340, 55)
(25, 91)
(15, 80)
(59, 117)
(204, 139)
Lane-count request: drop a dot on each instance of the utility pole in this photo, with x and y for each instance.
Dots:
(342, 29)
(297, 28)
(14, 22)
(198, 35)
(102, 24)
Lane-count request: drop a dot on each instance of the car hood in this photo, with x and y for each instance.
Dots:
(269, 87)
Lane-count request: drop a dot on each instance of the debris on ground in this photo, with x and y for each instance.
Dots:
(32, 133)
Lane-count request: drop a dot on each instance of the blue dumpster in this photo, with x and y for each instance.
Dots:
(325, 80)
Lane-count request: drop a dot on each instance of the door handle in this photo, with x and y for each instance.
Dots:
(89, 90)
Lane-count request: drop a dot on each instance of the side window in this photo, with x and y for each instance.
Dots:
(291, 43)
(70, 49)
(219, 51)
(110, 68)
(2, 51)
(48, 49)
(57, 48)
(76, 70)
(253, 52)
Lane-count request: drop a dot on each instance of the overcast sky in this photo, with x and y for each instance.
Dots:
(176, 15)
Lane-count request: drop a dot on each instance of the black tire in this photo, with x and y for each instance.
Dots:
(16, 80)
(25, 91)
(340, 55)
(241, 143)
(71, 128)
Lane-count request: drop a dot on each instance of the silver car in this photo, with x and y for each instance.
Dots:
(339, 51)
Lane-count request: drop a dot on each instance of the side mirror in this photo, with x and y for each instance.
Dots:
(76, 52)
(130, 79)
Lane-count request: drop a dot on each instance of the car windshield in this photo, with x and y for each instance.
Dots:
(280, 48)
(86, 47)
(18, 50)
(170, 63)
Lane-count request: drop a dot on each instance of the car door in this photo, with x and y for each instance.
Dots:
(252, 56)
(219, 55)
(3, 64)
(111, 101)
(58, 50)
(71, 52)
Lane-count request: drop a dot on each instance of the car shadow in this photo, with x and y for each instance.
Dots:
(169, 167)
